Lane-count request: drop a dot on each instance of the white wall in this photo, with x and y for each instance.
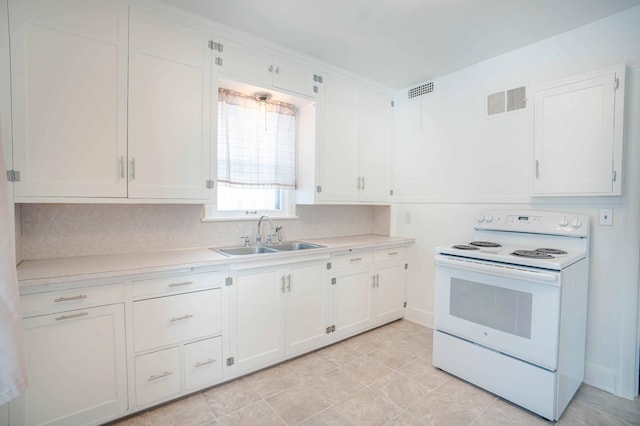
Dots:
(451, 161)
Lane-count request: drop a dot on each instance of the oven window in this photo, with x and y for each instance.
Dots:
(496, 307)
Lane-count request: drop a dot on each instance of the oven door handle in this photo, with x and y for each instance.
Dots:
(499, 270)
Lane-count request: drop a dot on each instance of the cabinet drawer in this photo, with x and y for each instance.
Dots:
(390, 254)
(202, 362)
(157, 375)
(67, 300)
(178, 283)
(344, 260)
(173, 319)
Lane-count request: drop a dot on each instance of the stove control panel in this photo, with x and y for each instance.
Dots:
(538, 222)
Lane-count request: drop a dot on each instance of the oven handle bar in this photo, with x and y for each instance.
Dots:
(499, 270)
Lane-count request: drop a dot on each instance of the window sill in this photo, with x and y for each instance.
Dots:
(244, 219)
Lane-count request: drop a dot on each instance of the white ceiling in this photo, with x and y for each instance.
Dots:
(402, 42)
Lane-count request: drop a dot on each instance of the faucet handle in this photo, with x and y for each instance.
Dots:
(268, 238)
(247, 241)
(279, 233)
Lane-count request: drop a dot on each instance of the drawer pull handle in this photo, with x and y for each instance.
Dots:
(393, 253)
(356, 259)
(184, 317)
(200, 364)
(180, 284)
(67, 299)
(79, 314)
(159, 376)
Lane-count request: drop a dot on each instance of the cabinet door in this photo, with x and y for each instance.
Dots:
(389, 296)
(578, 136)
(257, 328)
(170, 95)
(293, 76)
(352, 302)
(247, 65)
(76, 364)
(69, 95)
(307, 319)
(338, 132)
(374, 145)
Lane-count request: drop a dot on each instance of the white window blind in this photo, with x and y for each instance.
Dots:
(256, 142)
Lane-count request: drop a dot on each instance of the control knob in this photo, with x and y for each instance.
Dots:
(480, 218)
(489, 218)
(576, 223)
(563, 222)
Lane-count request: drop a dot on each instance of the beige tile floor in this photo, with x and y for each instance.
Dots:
(382, 377)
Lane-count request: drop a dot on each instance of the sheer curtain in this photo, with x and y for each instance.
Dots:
(256, 142)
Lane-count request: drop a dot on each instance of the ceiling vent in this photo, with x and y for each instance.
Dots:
(510, 100)
(423, 89)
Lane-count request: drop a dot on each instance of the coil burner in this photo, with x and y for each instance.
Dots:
(485, 244)
(465, 247)
(532, 254)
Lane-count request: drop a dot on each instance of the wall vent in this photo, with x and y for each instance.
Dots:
(423, 89)
(510, 100)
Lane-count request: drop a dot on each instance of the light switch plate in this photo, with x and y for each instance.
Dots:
(606, 217)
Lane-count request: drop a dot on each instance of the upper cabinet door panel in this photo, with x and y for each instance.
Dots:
(578, 135)
(293, 76)
(169, 109)
(247, 65)
(68, 66)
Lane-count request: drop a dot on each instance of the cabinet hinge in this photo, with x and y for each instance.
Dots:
(616, 84)
(218, 61)
(228, 281)
(13, 176)
(328, 330)
(328, 265)
(393, 104)
(406, 266)
(391, 192)
(317, 78)
(333, 281)
(230, 361)
(614, 175)
(333, 328)
(318, 189)
(215, 46)
(210, 184)
(404, 305)
(315, 89)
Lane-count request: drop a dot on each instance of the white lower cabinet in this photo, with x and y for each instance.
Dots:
(277, 311)
(76, 366)
(202, 363)
(177, 338)
(157, 375)
(369, 289)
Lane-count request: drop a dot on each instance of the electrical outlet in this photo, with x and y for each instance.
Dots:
(606, 217)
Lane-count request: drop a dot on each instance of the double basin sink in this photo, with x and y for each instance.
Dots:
(273, 248)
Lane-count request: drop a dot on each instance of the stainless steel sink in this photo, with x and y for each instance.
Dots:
(273, 248)
(243, 251)
(294, 246)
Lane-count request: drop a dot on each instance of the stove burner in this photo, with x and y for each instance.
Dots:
(533, 254)
(484, 244)
(551, 251)
(465, 247)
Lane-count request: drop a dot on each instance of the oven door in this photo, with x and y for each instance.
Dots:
(511, 309)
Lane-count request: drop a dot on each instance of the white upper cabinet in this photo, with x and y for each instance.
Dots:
(255, 66)
(352, 150)
(69, 95)
(170, 109)
(337, 134)
(374, 109)
(578, 126)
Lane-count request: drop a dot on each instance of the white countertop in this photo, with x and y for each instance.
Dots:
(57, 270)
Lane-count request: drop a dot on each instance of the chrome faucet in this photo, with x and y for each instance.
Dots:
(259, 235)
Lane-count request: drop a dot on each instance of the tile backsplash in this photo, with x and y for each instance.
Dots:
(63, 230)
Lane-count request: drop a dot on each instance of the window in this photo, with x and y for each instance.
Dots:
(256, 156)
